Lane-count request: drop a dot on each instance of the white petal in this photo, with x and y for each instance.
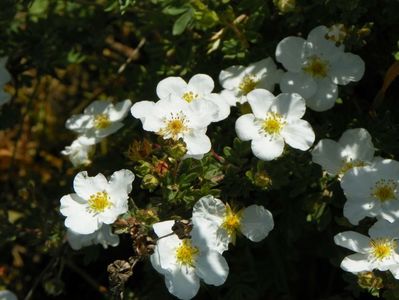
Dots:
(201, 84)
(72, 203)
(266, 148)
(325, 96)
(384, 228)
(300, 83)
(246, 129)
(349, 67)
(171, 86)
(163, 228)
(231, 77)
(209, 208)
(290, 52)
(355, 211)
(7, 295)
(327, 153)
(98, 134)
(356, 263)
(256, 222)
(120, 110)
(79, 123)
(197, 143)
(164, 257)
(222, 105)
(85, 186)
(298, 134)
(229, 97)
(353, 241)
(260, 101)
(390, 210)
(142, 109)
(357, 182)
(291, 106)
(98, 107)
(182, 283)
(394, 270)
(212, 267)
(120, 185)
(357, 144)
(321, 46)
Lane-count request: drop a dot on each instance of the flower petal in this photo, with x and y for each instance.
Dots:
(171, 86)
(291, 106)
(298, 134)
(325, 96)
(349, 67)
(97, 107)
(212, 267)
(356, 263)
(322, 47)
(260, 101)
(79, 123)
(120, 110)
(222, 104)
(85, 186)
(163, 228)
(210, 209)
(201, 84)
(384, 228)
(266, 148)
(357, 144)
(300, 83)
(184, 284)
(353, 241)
(246, 129)
(197, 142)
(355, 211)
(290, 52)
(120, 185)
(327, 154)
(231, 78)
(256, 222)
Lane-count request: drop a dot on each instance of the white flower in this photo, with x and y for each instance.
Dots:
(372, 191)
(274, 120)
(102, 236)
(353, 149)
(315, 67)
(380, 251)
(184, 262)
(242, 80)
(100, 119)
(4, 78)
(7, 295)
(97, 201)
(175, 120)
(197, 93)
(217, 224)
(78, 152)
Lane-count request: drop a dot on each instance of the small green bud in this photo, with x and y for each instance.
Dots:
(285, 6)
(149, 182)
(143, 168)
(175, 149)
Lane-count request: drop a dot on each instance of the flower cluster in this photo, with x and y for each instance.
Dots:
(100, 119)
(184, 261)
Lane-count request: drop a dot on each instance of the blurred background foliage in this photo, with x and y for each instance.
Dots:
(65, 54)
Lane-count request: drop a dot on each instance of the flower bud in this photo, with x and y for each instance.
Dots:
(285, 6)
(149, 182)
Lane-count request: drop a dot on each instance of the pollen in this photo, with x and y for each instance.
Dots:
(98, 202)
(273, 123)
(384, 190)
(189, 96)
(175, 126)
(232, 221)
(248, 84)
(382, 248)
(101, 121)
(186, 253)
(316, 67)
(350, 165)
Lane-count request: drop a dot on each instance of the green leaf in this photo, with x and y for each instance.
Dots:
(182, 22)
(174, 11)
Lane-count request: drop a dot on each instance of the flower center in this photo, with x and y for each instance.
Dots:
(384, 190)
(186, 253)
(101, 121)
(189, 96)
(347, 165)
(99, 202)
(316, 67)
(174, 126)
(232, 221)
(248, 84)
(382, 248)
(273, 123)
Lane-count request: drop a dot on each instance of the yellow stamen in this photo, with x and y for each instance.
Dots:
(189, 96)
(273, 123)
(382, 248)
(384, 190)
(99, 202)
(316, 67)
(248, 84)
(101, 121)
(186, 253)
(232, 222)
(350, 165)
(174, 126)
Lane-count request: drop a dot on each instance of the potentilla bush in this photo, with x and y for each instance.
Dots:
(199, 149)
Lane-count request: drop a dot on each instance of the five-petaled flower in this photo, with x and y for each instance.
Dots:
(97, 201)
(100, 119)
(274, 120)
(316, 66)
(217, 224)
(78, 152)
(184, 262)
